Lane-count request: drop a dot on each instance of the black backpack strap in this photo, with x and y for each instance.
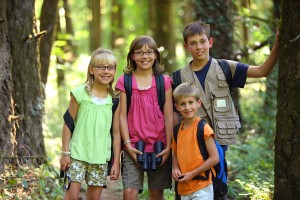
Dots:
(128, 89)
(202, 147)
(176, 79)
(160, 89)
(69, 121)
(115, 102)
(226, 70)
(175, 132)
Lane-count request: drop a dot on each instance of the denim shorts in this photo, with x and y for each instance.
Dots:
(133, 175)
(93, 174)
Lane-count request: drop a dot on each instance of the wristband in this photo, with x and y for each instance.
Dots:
(65, 153)
(128, 141)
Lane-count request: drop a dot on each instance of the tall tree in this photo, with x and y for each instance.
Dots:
(287, 140)
(116, 22)
(95, 23)
(21, 91)
(161, 23)
(48, 24)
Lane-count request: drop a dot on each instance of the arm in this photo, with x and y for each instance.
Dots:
(264, 69)
(115, 170)
(65, 161)
(168, 117)
(175, 167)
(213, 159)
(124, 127)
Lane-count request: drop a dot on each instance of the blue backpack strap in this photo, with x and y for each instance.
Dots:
(226, 70)
(128, 89)
(69, 121)
(160, 89)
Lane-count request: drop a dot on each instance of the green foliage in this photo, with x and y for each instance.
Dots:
(26, 182)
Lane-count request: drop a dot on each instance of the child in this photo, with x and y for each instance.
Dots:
(86, 152)
(187, 159)
(204, 71)
(144, 121)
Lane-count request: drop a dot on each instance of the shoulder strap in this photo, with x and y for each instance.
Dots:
(226, 70)
(115, 102)
(202, 147)
(175, 132)
(176, 79)
(160, 89)
(128, 89)
(69, 121)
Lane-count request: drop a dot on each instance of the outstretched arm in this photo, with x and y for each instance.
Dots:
(264, 69)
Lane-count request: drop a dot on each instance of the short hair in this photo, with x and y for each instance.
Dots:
(186, 89)
(196, 28)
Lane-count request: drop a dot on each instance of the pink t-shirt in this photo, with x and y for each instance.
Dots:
(145, 119)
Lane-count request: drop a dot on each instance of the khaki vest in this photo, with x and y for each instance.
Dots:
(217, 106)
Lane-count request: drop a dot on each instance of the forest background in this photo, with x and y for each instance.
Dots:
(69, 30)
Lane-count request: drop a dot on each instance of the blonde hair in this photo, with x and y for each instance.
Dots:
(138, 43)
(100, 56)
(186, 89)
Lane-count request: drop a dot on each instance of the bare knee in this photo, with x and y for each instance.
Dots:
(130, 194)
(156, 194)
(93, 192)
(73, 192)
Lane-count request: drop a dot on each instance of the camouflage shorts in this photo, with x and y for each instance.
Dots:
(94, 174)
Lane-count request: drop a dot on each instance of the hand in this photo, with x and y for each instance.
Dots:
(133, 152)
(65, 163)
(165, 154)
(115, 171)
(176, 173)
(185, 177)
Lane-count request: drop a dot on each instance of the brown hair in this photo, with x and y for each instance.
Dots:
(196, 28)
(186, 89)
(138, 43)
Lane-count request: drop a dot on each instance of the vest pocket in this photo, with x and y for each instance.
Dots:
(222, 80)
(221, 101)
(227, 128)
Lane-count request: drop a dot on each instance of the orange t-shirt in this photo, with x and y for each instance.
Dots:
(189, 156)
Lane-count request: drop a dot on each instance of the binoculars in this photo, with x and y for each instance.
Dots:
(149, 160)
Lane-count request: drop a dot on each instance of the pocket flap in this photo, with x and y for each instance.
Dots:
(221, 93)
(231, 125)
(221, 77)
(222, 125)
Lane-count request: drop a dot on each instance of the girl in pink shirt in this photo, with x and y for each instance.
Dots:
(144, 121)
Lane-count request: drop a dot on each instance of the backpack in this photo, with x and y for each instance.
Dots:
(220, 177)
(160, 89)
(70, 124)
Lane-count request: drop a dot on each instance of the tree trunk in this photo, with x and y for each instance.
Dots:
(95, 24)
(22, 99)
(163, 31)
(116, 23)
(48, 18)
(287, 140)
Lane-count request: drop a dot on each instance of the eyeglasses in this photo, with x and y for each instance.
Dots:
(149, 52)
(103, 67)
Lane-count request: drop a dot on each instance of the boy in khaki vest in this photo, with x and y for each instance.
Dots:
(217, 106)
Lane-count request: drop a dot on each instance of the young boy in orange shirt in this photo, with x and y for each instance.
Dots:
(187, 159)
